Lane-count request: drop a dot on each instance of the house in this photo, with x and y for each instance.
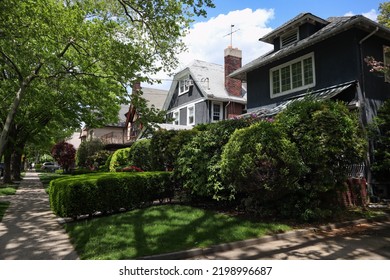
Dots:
(154, 98)
(111, 134)
(204, 93)
(323, 58)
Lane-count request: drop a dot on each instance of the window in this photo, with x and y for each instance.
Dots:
(175, 118)
(295, 75)
(191, 115)
(289, 38)
(217, 112)
(386, 62)
(184, 84)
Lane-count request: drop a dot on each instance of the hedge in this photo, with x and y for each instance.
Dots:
(107, 192)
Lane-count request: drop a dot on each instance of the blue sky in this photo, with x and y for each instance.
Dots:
(253, 19)
(286, 9)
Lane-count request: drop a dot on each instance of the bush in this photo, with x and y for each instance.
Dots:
(165, 146)
(139, 155)
(329, 140)
(86, 150)
(198, 167)
(119, 159)
(107, 192)
(381, 138)
(261, 164)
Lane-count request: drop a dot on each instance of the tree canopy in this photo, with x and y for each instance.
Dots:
(72, 61)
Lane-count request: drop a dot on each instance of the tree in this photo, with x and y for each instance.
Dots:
(64, 153)
(377, 66)
(86, 52)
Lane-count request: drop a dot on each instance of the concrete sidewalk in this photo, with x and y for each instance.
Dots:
(29, 230)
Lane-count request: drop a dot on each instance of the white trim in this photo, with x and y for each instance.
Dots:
(192, 103)
(184, 86)
(289, 63)
(220, 112)
(193, 115)
(176, 119)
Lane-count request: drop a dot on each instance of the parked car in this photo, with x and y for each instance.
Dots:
(1, 169)
(50, 166)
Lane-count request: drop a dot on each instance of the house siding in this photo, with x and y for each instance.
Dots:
(177, 100)
(335, 63)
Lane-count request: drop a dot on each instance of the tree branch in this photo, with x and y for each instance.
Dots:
(9, 61)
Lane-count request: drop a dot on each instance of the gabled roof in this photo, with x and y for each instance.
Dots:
(154, 97)
(209, 78)
(335, 25)
(291, 24)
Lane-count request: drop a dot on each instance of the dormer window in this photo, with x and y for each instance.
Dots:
(289, 38)
(184, 84)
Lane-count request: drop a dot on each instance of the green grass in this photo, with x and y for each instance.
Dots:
(8, 189)
(160, 229)
(3, 208)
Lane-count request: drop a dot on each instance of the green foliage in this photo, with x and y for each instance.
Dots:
(329, 140)
(384, 13)
(107, 192)
(261, 163)
(119, 159)
(381, 138)
(140, 156)
(66, 62)
(166, 145)
(198, 167)
(3, 207)
(86, 151)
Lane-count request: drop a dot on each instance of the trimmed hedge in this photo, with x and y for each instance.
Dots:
(107, 192)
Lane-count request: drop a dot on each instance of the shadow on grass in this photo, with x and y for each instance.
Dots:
(160, 229)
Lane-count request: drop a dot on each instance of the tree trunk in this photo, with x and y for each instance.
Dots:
(7, 167)
(16, 161)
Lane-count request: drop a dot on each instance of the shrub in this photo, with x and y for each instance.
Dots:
(107, 192)
(381, 137)
(261, 164)
(329, 140)
(139, 155)
(165, 146)
(198, 167)
(86, 150)
(119, 159)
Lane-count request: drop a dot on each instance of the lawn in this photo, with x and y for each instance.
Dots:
(160, 229)
(8, 189)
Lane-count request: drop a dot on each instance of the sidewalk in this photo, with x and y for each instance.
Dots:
(29, 230)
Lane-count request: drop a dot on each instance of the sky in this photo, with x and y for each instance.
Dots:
(252, 19)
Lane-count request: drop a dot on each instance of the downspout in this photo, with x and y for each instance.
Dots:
(364, 112)
(226, 112)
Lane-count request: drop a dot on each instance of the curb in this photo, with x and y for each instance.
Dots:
(255, 241)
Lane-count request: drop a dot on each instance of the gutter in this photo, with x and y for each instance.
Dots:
(369, 35)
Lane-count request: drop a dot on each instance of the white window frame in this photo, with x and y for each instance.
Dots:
(386, 62)
(176, 117)
(291, 82)
(189, 109)
(220, 112)
(184, 85)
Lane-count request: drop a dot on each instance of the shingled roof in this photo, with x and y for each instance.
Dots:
(335, 25)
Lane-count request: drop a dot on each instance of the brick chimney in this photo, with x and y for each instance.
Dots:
(233, 61)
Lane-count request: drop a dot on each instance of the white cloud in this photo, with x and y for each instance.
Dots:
(373, 15)
(207, 41)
